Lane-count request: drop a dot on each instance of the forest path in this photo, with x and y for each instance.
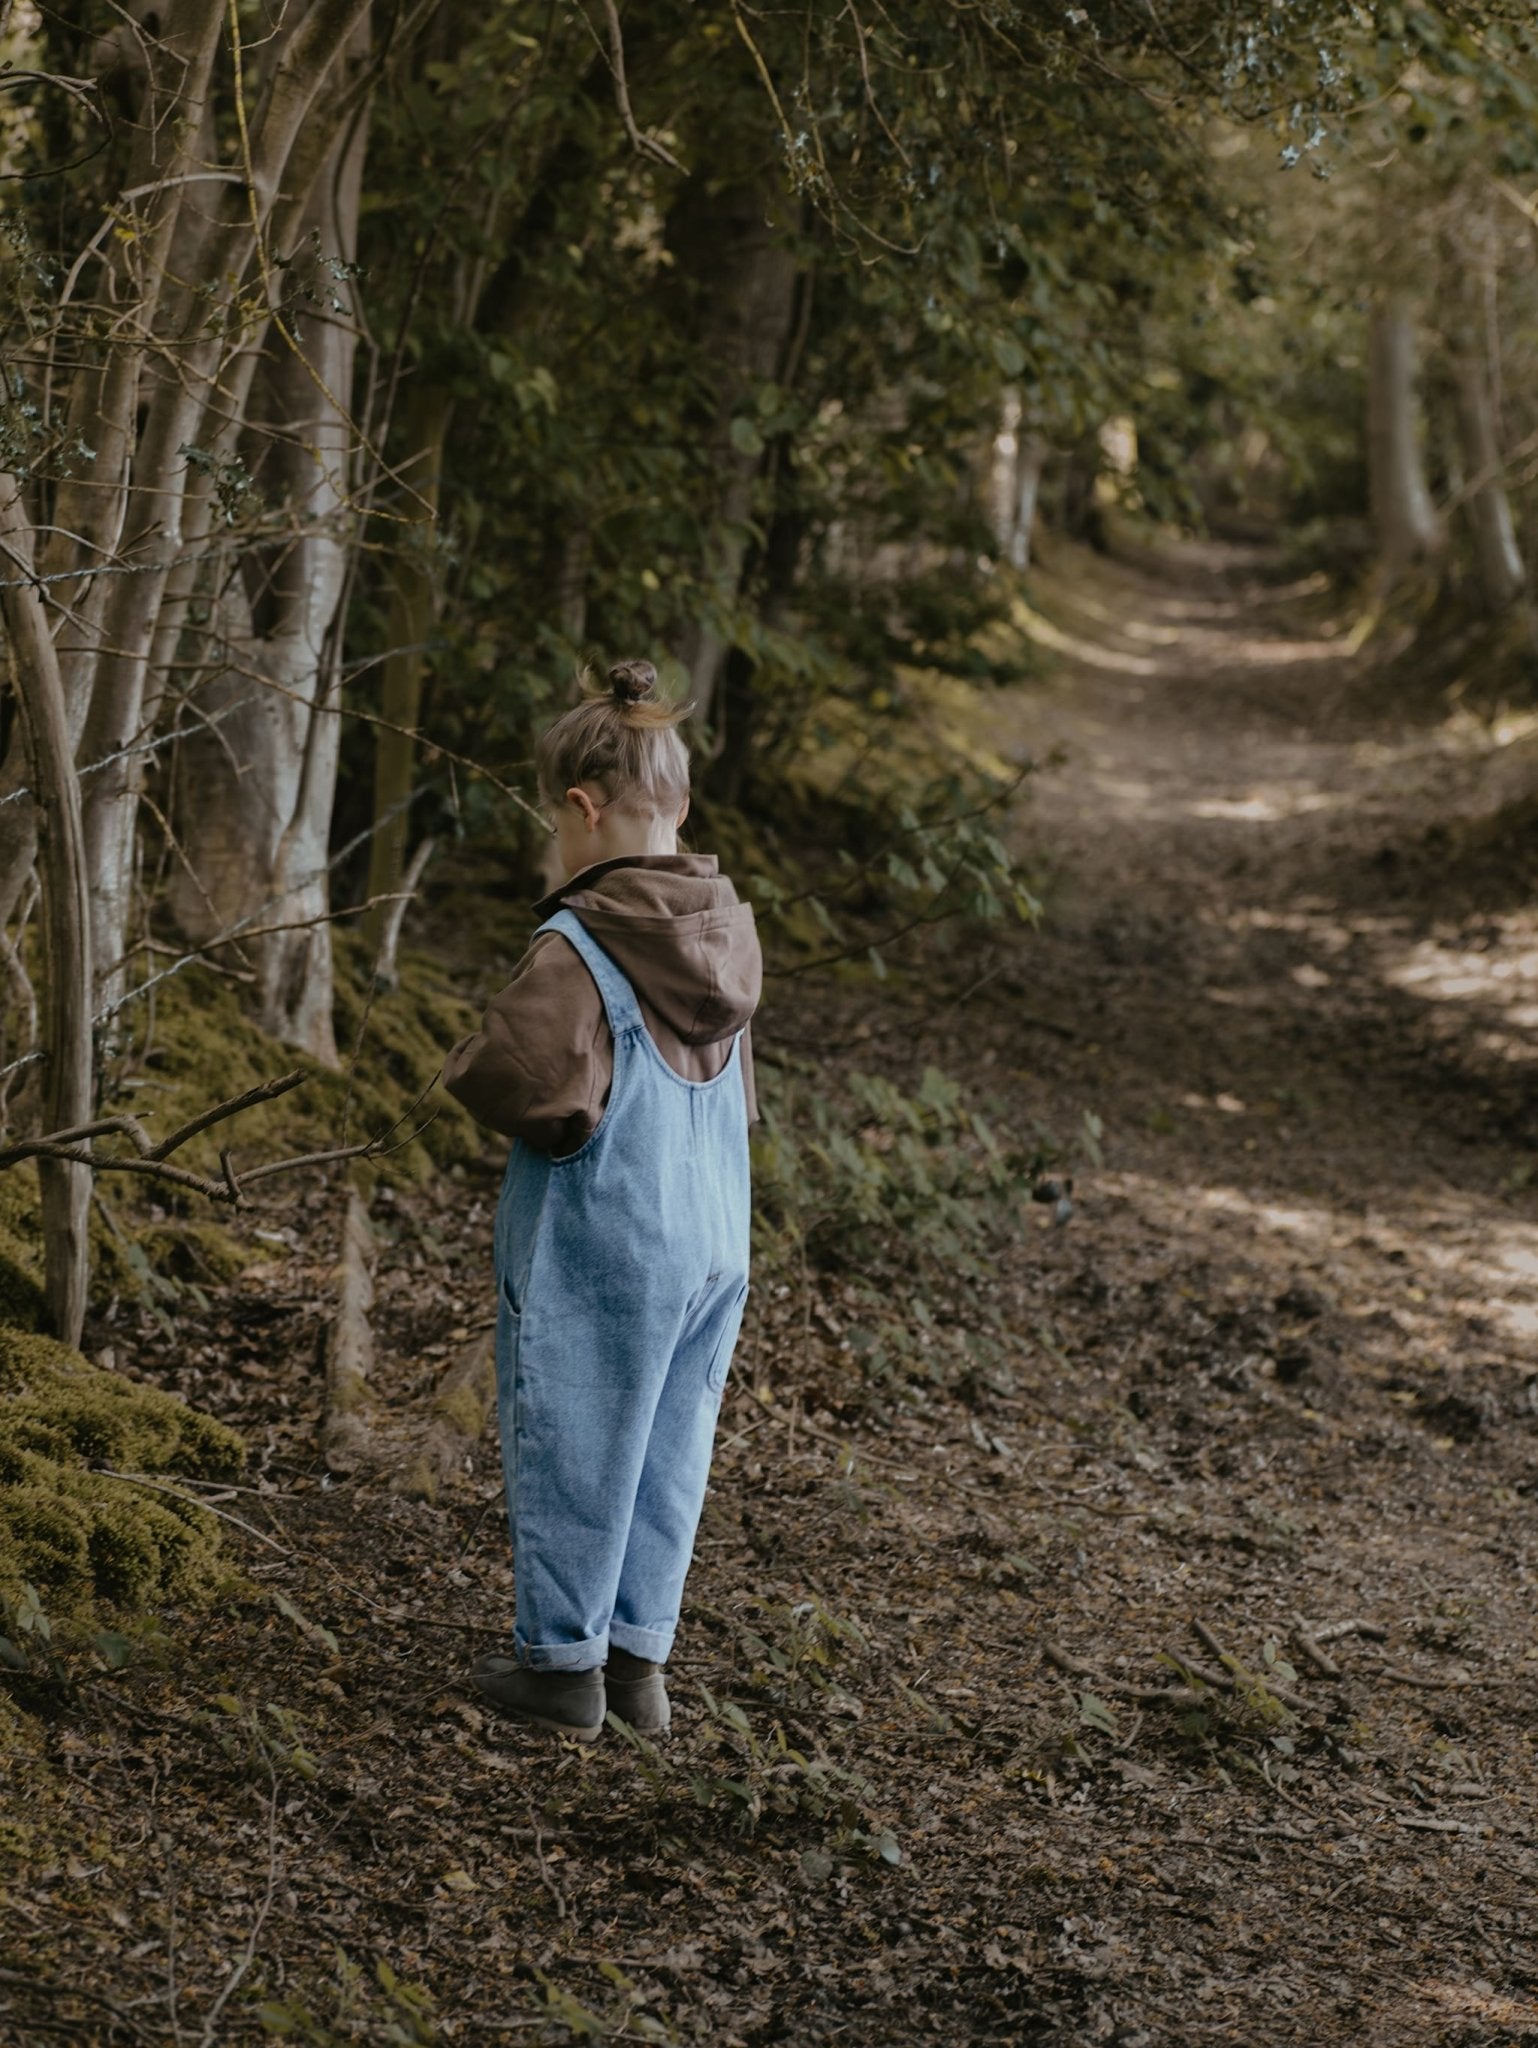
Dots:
(1312, 1001)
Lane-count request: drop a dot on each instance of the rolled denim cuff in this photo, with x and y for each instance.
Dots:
(583, 1656)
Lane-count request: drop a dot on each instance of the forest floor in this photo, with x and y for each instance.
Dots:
(943, 1771)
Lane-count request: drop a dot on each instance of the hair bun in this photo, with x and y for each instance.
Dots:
(632, 682)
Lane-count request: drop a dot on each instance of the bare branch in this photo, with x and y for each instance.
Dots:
(644, 145)
(151, 1159)
(265, 1091)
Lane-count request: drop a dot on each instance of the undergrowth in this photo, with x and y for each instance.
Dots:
(900, 1204)
(71, 1537)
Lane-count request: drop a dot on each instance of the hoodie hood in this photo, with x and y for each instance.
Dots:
(674, 927)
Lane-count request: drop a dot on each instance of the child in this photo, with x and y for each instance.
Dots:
(618, 1061)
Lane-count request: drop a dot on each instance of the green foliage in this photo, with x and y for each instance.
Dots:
(266, 1740)
(899, 1202)
(840, 1176)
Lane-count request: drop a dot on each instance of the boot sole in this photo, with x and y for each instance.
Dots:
(509, 1712)
(565, 1728)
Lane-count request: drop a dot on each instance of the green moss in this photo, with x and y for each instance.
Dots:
(21, 1239)
(205, 1046)
(78, 1534)
(193, 1250)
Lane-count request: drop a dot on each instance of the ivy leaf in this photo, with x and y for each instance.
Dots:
(746, 438)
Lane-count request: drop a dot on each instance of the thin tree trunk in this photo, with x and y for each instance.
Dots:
(107, 666)
(1030, 460)
(1404, 518)
(413, 608)
(259, 791)
(67, 1095)
(1502, 575)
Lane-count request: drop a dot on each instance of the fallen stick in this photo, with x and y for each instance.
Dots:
(1332, 1631)
(1403, 1677)
(192, 1500)
(1310, 1651)
(1139, 1695)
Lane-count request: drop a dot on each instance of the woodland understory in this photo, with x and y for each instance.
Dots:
(1076, 471)
(1166, 1677)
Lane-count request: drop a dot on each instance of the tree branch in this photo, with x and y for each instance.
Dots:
(644, 145)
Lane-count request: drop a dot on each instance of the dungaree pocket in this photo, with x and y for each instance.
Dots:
(721, 1362)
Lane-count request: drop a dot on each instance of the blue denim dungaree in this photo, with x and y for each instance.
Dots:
(622, 1271)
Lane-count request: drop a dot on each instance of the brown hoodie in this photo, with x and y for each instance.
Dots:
(541, 1064)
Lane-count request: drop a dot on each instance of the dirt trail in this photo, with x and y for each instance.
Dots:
(1310, 1027)
(935, 1778)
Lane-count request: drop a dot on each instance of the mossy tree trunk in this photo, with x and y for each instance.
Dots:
(258, 787)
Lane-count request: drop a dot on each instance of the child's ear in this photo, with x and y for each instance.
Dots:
(582, 803)
(678, 823)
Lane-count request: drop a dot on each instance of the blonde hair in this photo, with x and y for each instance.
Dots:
(621, 736)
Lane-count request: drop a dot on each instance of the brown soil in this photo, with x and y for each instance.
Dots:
(1279, 1366)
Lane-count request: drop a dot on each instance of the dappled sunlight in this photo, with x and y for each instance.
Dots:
(1046, 634)
(1501, 975)
(1268, 810)
(1281, 653)
(1432, 1264)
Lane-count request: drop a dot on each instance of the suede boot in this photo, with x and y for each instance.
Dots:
(636, 1693)
(571, 1702)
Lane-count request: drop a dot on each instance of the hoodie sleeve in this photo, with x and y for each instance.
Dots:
(542, 1062)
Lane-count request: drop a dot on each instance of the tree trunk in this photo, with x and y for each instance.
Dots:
(258, 792)
(67, 1095)
(729, 242)
(1502, 576)
(1404, 518)
(413, 608)
(1030, 460)
(107, 664)
(1079, 508)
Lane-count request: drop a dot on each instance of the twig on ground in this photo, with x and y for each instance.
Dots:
(1229, 1680)
(546, 1879)
(159, 1486)
(1400, 1676)
(1139, 1695)
(1310, 1651)
(1332, 1631)
(28, 1980)
(248, 1956)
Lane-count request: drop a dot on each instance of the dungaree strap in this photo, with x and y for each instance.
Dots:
(619, 998)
